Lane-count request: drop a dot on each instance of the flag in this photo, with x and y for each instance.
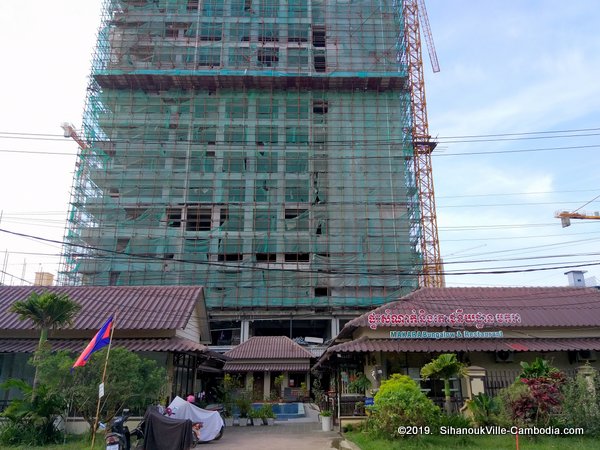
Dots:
(101, 339)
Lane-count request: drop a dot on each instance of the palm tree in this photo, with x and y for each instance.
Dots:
(444, 367)
(47, 311)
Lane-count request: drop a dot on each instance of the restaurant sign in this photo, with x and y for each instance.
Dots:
(464, 334)
(456, 318)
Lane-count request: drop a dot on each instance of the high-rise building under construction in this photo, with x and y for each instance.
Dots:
(260, 148)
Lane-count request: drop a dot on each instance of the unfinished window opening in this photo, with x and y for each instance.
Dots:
(322, 291)
(169, 256)
(319, 61)
(297, 257)
(266, 257)
(267, 57)
(174, 217)
(294, 213)
(241, 8)
(198, 219)
(192, 5)
(318, 36)
(230, 250)
(320, 107)
(114, 192)
(223, 216)
(133, 213)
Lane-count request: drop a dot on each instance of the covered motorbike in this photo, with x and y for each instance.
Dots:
(212, 422)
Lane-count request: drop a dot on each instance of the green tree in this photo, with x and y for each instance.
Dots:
(131, 382)
(48, 310)
(444, 367)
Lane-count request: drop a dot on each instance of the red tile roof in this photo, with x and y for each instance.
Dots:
(139, 307)
(536, 306)
(268, 367)
(174, 344)
(268, 347)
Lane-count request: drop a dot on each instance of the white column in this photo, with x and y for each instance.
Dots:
(245, 331)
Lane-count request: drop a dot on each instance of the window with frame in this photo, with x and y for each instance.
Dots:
(198, 219)
(267, 57)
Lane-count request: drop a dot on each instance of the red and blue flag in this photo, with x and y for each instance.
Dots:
(101, 339)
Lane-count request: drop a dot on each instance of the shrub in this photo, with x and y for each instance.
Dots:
(533, 401)
(400, 401)
(485, 409)
(30, 420)
(581, 404)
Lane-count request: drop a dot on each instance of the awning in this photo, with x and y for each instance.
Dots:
(466, 345)
(266, 367)
(173, 344)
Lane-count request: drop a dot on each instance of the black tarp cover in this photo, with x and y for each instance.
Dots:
(165, 433)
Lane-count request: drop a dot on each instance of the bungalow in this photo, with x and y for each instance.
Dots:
(490, 329)
(165, 323)
(262, 359)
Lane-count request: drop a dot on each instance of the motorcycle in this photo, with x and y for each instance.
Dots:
(119, 437)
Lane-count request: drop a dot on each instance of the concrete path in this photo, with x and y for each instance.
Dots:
(295, 434)
(281, 436)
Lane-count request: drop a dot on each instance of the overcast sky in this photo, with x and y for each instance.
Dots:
(524, 71)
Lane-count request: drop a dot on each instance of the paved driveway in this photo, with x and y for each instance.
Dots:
(281, 436)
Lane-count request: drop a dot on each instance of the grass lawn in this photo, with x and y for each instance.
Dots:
(366, 442)
(73, 443)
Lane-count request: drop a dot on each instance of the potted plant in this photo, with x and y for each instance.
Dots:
(266, 414)
(359, 409)
(359, 385)
(254, 415)
(326, 420)
(245, 406)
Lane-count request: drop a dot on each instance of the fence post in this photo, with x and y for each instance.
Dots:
(475, 385)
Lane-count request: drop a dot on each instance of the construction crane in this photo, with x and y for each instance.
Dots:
(413, 10)
(566, 216)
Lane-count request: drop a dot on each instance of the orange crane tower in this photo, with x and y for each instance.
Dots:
(432, 272)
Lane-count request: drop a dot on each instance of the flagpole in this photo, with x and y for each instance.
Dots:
(112, 329)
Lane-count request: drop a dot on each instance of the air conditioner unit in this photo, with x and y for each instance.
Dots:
(585, 355)
(505, 356)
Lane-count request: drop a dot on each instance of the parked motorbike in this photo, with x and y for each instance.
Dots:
(119, 437)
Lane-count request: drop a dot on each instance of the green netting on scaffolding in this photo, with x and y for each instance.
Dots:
(303, 196)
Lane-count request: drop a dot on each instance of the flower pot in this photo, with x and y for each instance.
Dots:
(326, 423)
(243, 421)
(228, 421)
(271, 420)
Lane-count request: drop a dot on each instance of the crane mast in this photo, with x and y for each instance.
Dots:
(431, 274)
